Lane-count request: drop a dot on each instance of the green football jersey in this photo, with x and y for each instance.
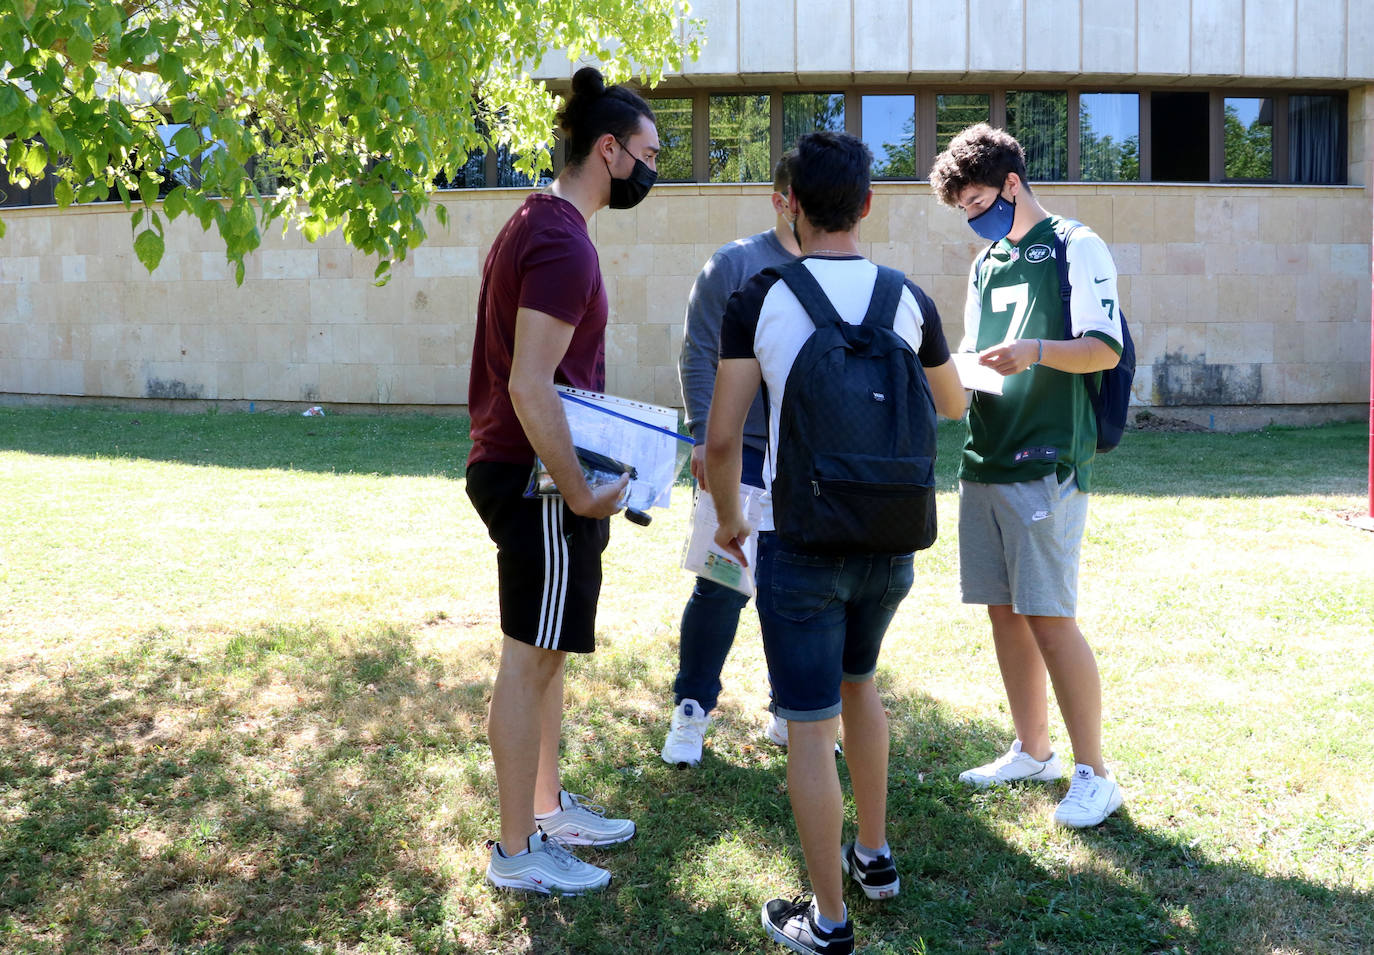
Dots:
(1043, 421)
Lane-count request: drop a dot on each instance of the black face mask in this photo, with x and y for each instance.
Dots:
(629, 192)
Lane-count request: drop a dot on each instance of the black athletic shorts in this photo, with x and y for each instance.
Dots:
(548, 559)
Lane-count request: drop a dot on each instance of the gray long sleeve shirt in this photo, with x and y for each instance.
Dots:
(722, 276)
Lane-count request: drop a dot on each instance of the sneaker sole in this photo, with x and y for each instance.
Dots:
(680, 763)
(875, 892)
(524, 885)
(591, 843)
(989, 782)
(1112, 807)
(782, 939)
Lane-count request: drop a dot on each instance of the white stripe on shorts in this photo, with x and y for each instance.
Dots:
(555, 576)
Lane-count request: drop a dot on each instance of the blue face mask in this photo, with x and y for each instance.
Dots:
(994, 222)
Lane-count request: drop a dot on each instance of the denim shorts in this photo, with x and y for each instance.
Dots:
(823, 620)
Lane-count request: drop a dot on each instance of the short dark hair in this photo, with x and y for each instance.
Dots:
(782, 172)
(594, 109)
(978, 156)
(830, 178)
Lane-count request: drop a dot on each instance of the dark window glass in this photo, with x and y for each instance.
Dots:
(955, 112)
(804, 113)
(1040, 123)
(1316, 139)
(674, 139)
(889, 125)
(1109, 137)
(1178, 137)
(1248, 135)
(508, 176)
(471, 175)
(739, 128)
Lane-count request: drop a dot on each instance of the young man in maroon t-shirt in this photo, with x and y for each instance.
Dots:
(541, 320)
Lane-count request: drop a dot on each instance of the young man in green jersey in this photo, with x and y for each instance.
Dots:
(1027, 462)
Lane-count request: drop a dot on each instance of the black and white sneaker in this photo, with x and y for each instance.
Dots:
(877, 878)
(792, 924)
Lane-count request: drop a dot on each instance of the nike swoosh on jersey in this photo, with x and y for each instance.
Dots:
(1100, 281)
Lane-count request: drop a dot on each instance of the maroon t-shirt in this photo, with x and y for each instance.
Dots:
(543, 259)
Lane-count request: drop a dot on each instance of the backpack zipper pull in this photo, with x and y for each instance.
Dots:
(816, 488)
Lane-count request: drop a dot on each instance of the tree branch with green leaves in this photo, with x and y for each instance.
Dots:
(353, 106)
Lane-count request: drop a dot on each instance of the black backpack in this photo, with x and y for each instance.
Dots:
(1112, 398)
(856, 439)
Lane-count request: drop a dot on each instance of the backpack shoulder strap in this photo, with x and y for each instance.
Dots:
(809, 292)
(1061, 263)
(887, 295)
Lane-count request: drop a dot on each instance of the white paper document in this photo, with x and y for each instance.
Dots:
(974, 376)
(641, 435)
(702, 557)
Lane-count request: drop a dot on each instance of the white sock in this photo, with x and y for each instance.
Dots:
(867, 855)
(540, 816)
(823, 923)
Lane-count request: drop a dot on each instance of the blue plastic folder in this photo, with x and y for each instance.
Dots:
(641, 436)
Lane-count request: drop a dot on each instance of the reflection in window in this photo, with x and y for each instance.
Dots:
(738, 130)
(1316, 139)
(674, 138)
(509, 177)
(1040, 123)
(889, 125)
(804, 113)
(1248, 135)
(471, 175)
(955, 112)
(1109, 137)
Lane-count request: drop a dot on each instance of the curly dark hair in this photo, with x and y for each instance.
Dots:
(978, 156)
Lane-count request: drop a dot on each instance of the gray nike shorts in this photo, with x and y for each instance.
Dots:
(1019, 544)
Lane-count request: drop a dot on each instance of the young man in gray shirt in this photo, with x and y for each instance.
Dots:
(712, 612)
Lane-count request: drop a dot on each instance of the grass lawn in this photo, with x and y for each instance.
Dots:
(245, 660)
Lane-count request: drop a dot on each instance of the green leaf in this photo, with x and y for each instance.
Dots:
(147, 188)
(63, 194)
(174, 203)
(148, 246)
(441, 214)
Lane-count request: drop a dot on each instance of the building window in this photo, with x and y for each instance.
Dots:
(1040, 122)
(889, 127)
(508, 177)
(739, 134)
(1178, 137)
(1109, 137)
(804, 113)
(955, 112)
(1316, 139)
(470, 175)
(1248, 137)
(674, 138)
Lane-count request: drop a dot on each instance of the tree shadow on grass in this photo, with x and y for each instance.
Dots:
(283, 792)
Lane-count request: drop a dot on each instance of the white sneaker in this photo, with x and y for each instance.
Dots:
(777, 730)
(1090, 799)
(1011, 767)
(546, 868)
(686, 735)
(777, 733)
(579, 823)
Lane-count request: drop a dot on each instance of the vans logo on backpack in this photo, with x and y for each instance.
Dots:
(1037, 253)
(879, 396)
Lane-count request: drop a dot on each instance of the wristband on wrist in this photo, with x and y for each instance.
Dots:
(1040, 352)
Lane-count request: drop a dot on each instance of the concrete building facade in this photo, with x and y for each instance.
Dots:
(1247, 285)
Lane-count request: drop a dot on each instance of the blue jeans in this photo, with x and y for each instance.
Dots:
(823, 619)
(709, 622)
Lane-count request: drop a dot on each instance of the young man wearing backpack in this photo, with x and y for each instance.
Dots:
(862, 365)
(1027, 463)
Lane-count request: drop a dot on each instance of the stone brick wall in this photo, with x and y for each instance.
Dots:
(1238, 295)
